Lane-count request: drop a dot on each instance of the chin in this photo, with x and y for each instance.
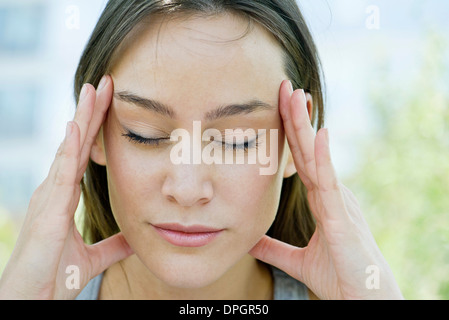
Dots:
(194, 267)
(188, 271)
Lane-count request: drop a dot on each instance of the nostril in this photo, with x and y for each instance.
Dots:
(204, 201)
(171, 198)
(186, 188)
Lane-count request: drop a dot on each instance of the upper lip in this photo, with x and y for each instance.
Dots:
(186, 229)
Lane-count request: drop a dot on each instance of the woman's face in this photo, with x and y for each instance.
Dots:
(191, 223)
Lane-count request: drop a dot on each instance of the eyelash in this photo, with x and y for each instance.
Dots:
(156, 141)
(147, 141)
(245, 146)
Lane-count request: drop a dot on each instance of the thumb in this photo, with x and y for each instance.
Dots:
(281, 255)
(107, 252)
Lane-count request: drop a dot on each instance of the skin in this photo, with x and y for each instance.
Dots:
(141, 265)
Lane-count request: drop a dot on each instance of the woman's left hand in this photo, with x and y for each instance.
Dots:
(342, 259)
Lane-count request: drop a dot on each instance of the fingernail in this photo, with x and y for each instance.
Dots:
(69, 129)
(83, 93)
(102, 83)
(290, 87)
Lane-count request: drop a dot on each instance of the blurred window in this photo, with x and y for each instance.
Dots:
(15, 188)
(18, 104)
(21, 28)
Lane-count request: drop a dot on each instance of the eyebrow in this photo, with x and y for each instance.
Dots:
(218, 113)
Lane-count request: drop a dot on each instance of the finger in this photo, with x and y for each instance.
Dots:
(82, 118)
(102, 103)
(107, 252)
(283, 256)
(284, 109)
(84, 110)
(42, 196)
(63, 173)
(304, 133)
(66, 157)
(328, 184)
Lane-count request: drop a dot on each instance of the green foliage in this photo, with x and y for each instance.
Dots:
(8, 234)
(403, 177)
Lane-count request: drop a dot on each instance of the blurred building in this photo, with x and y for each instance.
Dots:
(40, 44)
(22, 31)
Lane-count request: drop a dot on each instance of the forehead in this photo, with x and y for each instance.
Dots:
(211, 60)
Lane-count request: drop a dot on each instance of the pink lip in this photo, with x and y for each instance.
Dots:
(187, 236)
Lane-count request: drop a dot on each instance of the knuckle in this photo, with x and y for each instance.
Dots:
(331, 186)
(36, 195)
(39, 191)
(60, 150)
(60, 179)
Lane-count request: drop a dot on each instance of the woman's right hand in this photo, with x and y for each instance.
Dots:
(50, 249)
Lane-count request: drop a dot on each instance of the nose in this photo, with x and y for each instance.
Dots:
(188, 185)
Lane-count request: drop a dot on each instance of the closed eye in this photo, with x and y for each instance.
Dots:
(241, 146)
(146, 141)
(246, 145)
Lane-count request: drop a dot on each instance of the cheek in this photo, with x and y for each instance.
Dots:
(132, 177)
(252, 201)
(255, 197)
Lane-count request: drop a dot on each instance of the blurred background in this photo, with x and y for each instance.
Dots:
(387, 72)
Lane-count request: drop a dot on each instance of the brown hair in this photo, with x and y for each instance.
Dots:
(294, 222)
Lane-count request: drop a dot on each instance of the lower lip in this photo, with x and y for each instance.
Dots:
(183, 239)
